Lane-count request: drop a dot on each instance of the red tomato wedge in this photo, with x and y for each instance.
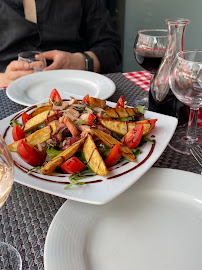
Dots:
(86, 100)
(55, 98)
(91, 117)
(113, 156)
(30, 154)
(120, 103)
(72, 128)
(152, 123)
(25, 117)
(72, 165)
(17, 133)
(133, 137)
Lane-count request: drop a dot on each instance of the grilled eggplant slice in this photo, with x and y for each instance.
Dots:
(96, 102)
(61, 158)
(121, 112)
(93, 157)
(38, 119)
(40, 110)
(38, 136)
(110, 141)
(122, 127)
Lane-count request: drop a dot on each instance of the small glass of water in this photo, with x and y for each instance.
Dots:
(35, 58)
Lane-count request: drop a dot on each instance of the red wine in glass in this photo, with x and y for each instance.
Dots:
(149, 49)
(149, 60)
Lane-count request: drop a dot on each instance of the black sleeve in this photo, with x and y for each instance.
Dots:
(100, 37)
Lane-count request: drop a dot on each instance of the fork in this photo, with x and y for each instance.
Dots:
(197, 154)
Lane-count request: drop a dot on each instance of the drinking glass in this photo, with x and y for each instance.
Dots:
(149, 49)
(9, 256)
(186, 83)
(36, 59)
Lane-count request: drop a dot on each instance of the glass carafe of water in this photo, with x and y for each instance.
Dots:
(161, 98)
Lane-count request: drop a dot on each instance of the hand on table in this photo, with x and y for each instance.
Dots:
(15, 70)
(64, 60)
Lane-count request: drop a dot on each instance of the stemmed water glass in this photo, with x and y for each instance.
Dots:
(186, 83)
(149, 49)
(35, 58)
(9, 256)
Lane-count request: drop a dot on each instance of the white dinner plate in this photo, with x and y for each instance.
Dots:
(156, 224)
(30, 89)
(105, 188)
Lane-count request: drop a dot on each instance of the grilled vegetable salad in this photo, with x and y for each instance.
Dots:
(79, 137)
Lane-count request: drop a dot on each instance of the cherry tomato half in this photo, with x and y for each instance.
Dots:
(133, 137)
(152, 122)
(55, 98)
(120, 103)
(25, 117)
(72, 165)
(17, 133)
(90, 119)
(30, 154)
(86, 100)
(113, 156)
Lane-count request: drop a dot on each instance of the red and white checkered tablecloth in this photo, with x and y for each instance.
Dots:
(140, 78)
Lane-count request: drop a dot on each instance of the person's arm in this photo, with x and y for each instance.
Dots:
(15, 70)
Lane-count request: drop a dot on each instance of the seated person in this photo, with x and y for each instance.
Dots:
(63, 30)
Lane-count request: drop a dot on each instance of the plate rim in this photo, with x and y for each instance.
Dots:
(14, 84)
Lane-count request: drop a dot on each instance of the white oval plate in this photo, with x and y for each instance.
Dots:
(30, 89)
(106, 189)
(156, 224)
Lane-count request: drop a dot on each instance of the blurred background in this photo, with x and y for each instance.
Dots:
(129, 16)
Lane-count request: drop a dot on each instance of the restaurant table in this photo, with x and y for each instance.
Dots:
(27, 213)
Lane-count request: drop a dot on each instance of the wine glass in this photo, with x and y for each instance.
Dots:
(186, 83)
(9, 256)
(149, 49)
(35, 58)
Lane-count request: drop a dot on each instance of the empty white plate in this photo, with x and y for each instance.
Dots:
(156, 224)
(30, 89)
